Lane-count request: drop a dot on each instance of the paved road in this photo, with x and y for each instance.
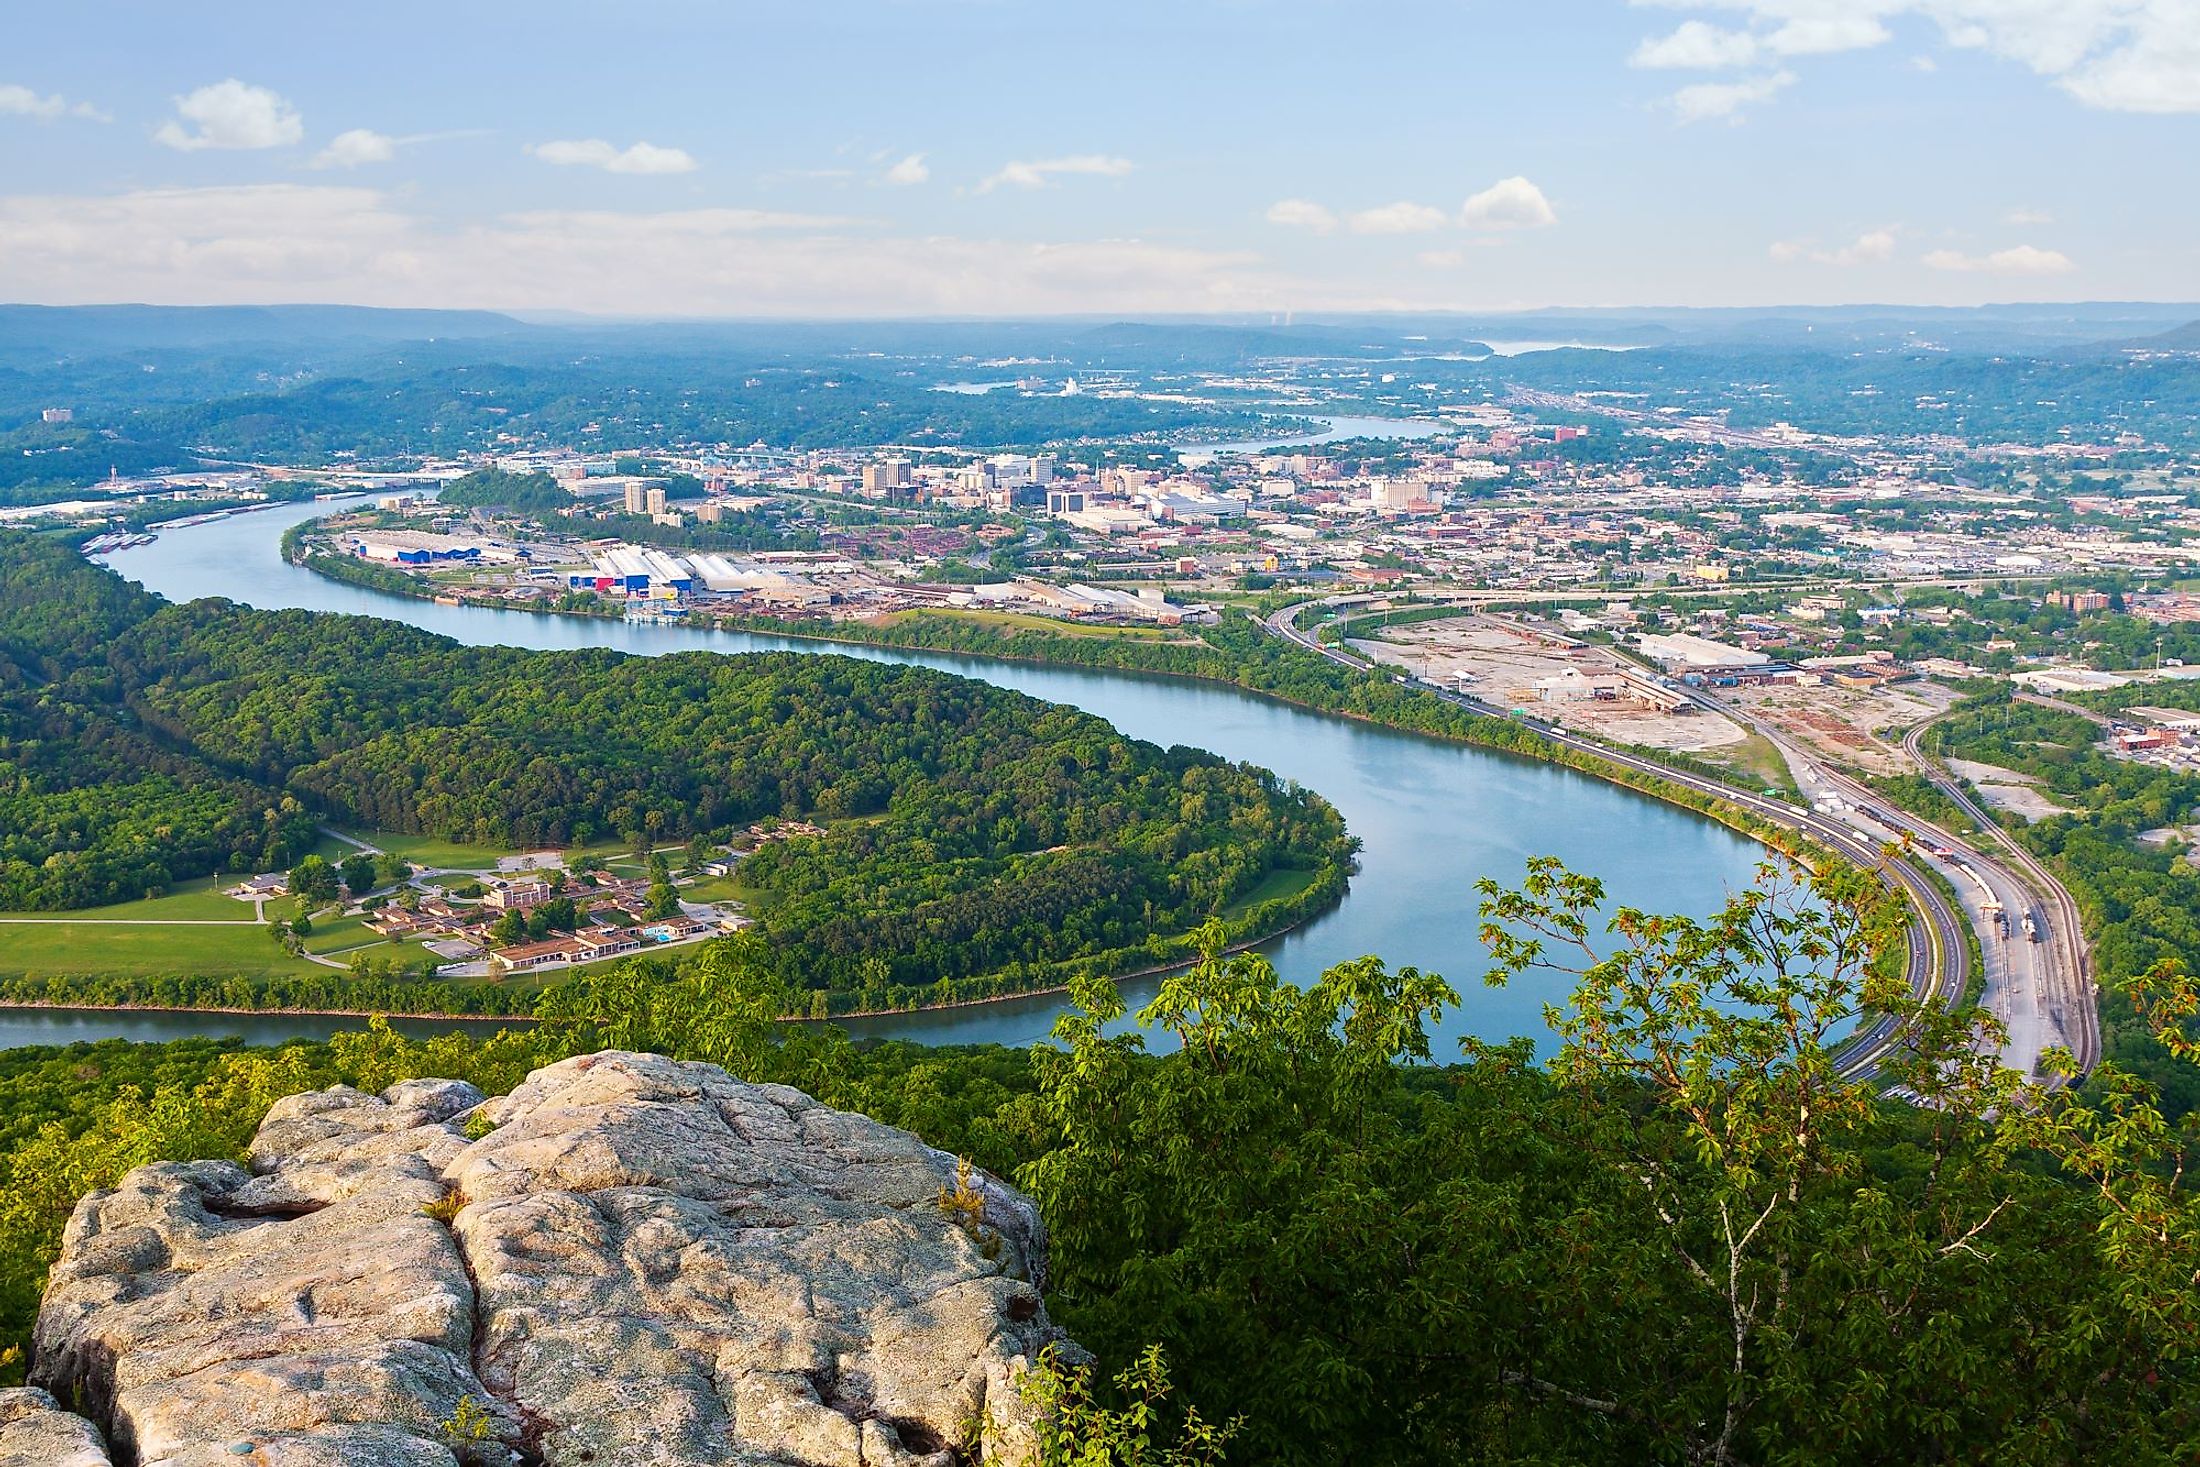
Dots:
(1939, 959)
(2061, 999)
(2020, 978)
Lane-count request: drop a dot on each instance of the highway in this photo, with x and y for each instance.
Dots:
(2063, 998)
(2025, 986)
(1939, 958)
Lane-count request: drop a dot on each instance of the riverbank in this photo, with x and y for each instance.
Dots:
(1433, 811)
(1311, 685)
(441, 1016)
(302, 994)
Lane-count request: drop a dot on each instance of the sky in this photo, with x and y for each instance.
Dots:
(1020, 157)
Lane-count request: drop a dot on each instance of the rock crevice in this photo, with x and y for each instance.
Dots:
(649, 1262)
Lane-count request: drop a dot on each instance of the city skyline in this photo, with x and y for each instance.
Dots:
(1005, 159)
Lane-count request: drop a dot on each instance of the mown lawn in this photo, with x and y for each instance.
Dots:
(190, 901)
(87, 947)
(342, 932)
(719, 889)
(1275, 884)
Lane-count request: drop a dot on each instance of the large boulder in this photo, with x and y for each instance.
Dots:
(36, 1432)
(638, 1261)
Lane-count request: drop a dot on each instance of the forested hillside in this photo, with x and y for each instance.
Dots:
(972, 831)
(1684, 1241)
(92, 809)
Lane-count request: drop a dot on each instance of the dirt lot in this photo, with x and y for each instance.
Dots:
(1503, 665)
(2006, 789)
(1840, 722)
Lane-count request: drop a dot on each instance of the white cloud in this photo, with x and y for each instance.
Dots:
(2119, 55)
(1510, 203)
(596, 153)
(289, 242)
(1403, 217)
(1302, 214)
(356, 148)
(909, 171)
(1726, 101)
(1036, 175)
(2155, 69)
(1696, 46)
(21, 101)
(1829, 31)
(231, 114)
(1442, 259)
(1874, 248)
(2024, 218)
(2017, 260)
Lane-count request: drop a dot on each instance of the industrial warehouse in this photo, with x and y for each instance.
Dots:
(500, 562)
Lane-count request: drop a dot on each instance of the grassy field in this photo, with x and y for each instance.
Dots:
(720, 889)
(338, 933)
(190, 901)
(446, 883)
(1275, 884)
(1756, 757)
(85, 947)
(428, 850)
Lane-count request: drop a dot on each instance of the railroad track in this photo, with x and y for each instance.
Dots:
(1939, 958)
(2066, 932)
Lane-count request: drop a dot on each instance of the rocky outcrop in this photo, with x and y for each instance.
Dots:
(628, 1260)
(36, 1432)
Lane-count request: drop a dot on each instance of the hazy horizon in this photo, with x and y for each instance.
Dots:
(559, 315)
(677, 160)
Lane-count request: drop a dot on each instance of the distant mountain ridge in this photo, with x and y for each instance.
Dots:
(35, 335)
(47, 332)
(2182, 338)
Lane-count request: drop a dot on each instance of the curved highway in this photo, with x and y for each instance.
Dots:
(2063, 984)
(1939, 958)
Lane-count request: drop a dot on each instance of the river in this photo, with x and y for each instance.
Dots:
(1335, 429)
(1433, 816)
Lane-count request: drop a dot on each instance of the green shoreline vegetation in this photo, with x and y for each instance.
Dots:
(1238, 652)
(398, 980)
(1350, 1248)
(1234, 652)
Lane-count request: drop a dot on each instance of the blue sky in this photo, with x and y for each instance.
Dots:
(1002, 157)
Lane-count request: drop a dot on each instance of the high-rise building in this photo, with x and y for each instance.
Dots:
(886, 479)
(637, 497)
(659, 497)
(1014, 471)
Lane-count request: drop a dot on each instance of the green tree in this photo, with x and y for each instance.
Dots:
(360, 874)
(313, 880)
